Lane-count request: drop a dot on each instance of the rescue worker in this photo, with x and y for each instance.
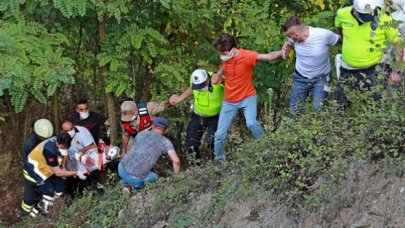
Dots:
(82, 141)
(41, 168)
(207, 105)
(137, 117)
(365, 33)
(43, 129)
(135, 168)
(88, 119)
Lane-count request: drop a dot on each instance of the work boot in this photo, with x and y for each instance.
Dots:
(126, 191)
(45, 204)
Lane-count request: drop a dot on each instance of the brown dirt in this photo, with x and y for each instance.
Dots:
(11, 183)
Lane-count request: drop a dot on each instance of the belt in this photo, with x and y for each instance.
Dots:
(358, 70)
(318, 76)
(299, 74)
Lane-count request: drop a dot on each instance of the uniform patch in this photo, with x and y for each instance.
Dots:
(52, 159)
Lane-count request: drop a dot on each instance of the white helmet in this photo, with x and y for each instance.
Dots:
(398, 6)
(43, 128)
(367, 6)
(198, 78)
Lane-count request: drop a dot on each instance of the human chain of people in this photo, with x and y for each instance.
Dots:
(53, 163)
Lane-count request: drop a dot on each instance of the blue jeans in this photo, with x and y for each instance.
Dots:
(226, 116)
(135, 183)
(302, 86)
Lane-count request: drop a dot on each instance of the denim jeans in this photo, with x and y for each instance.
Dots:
(302, 86)
(226, 116)
(135, 183)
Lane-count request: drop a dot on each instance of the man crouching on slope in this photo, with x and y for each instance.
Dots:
(135, 168)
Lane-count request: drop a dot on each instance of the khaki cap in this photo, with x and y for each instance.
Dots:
(128, 109)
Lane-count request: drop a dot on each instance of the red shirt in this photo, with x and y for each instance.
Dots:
(238, 76)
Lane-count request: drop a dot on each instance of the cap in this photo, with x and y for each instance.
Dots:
(43, 128)
(198, 78)
(366, 8)
(128, 109)
(161, 122)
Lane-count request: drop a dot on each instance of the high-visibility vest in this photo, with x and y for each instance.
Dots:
(208, 103)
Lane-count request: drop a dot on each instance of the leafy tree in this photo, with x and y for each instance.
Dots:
(32, 62)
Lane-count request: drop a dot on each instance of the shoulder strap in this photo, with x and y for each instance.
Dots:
(142, 109)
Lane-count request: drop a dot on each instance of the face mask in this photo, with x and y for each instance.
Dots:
(72, 133)
(84, 115)
(63, 152)
(134, 117)
(228, 56)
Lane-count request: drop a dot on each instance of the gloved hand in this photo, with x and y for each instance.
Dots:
(108, 132)
(78, 156)
(81, 175)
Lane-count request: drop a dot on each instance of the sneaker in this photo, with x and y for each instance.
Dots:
(126, 191)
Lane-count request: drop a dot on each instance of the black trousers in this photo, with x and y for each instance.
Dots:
(361, 80)
(31, 197)
(195, 131)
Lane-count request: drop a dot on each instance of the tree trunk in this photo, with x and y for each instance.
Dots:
(55, 106)
(147, 95)
(110, 96)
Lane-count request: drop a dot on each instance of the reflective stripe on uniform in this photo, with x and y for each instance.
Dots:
(27, 208)
(28, 177)
(143, 111)
(36, 168)
(34, 212)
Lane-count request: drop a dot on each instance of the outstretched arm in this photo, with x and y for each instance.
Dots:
(270, 56)
(175, 99)
(218, 76)
(395, 76)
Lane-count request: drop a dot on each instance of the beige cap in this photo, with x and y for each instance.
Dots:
(128, 109)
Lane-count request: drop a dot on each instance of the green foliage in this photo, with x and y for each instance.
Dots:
(32, 62)
(95, 209)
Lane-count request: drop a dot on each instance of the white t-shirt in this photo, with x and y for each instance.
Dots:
(312, 55)
(81, 139)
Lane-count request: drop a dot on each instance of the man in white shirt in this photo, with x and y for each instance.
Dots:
(312, 66)
(82, 140)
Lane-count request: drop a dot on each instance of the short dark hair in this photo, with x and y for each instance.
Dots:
(292, 21)
(224, 42)
(65, 121)
(81, 101)
(63, 139)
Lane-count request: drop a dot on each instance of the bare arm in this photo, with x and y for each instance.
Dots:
(175, 160)
(395, 76)
(62, 172)
(285, 50)
(270, 56)
(175, 99)
(218, 78)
